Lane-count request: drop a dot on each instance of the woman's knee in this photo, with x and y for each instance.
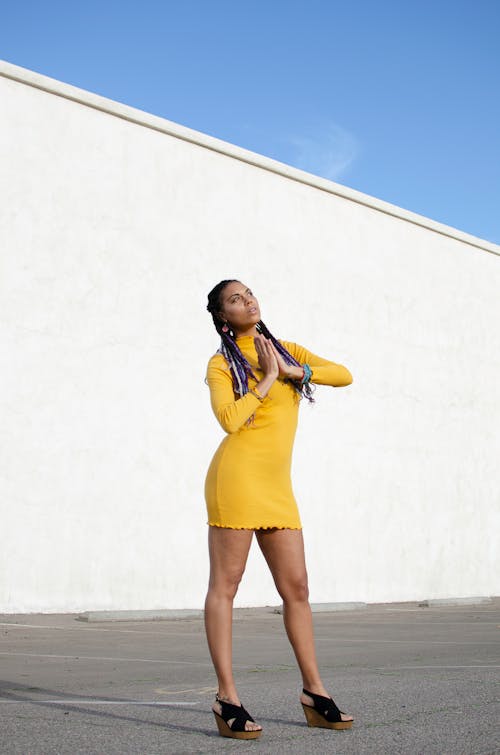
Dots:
(294, 589)
(226, 584)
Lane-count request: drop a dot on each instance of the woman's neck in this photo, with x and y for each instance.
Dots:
(250, 332)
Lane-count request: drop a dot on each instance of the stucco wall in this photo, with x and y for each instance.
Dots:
(115, 224)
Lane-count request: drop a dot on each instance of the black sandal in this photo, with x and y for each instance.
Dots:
(324, 713)
(237, 728)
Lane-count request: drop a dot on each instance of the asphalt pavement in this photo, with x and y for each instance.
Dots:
(416, 679)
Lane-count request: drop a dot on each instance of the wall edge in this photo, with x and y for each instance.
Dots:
(162, 125)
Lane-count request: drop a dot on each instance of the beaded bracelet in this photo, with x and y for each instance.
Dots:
(307, 374)
(256, 393)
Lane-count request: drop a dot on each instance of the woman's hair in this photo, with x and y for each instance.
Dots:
(238, 365)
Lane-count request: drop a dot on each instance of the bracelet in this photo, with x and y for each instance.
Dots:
(307, 374)
(256, 394)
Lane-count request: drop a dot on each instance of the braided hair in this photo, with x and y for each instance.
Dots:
(239, 366)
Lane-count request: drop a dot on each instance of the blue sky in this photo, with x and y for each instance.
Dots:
(400, 100)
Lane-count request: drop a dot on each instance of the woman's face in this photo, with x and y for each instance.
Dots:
(239, 307)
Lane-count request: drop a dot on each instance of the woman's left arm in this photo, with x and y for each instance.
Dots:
(324, 372)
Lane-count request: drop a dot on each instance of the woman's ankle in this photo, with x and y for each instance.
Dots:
(315, 686)
(229, 694)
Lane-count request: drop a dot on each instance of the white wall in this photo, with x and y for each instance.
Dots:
(115, 225)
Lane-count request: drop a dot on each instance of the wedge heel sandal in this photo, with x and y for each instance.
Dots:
(238, 716)
(324, 713)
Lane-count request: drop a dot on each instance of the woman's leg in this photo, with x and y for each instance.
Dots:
(228, 550)
(284, 553)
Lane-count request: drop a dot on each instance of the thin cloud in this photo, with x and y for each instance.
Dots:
(329, 152)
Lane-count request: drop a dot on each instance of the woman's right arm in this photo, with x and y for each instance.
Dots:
(231, 413)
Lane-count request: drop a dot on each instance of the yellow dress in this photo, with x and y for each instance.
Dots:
(248, 483)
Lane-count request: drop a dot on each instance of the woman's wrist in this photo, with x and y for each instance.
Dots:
(295, 373)
(256, 393)
(265, 384)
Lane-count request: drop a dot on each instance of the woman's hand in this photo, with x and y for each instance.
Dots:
(289, 371)
(267, 356)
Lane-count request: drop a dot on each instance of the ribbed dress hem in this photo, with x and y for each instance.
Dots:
(254, 527)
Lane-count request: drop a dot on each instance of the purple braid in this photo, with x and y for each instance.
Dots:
(239, 366)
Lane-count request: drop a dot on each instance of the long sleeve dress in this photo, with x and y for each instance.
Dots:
(248, 483)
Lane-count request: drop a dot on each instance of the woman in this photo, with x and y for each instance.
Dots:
(256, 383)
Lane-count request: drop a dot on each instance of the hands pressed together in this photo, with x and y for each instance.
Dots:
(268, 356)
(271, 362)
